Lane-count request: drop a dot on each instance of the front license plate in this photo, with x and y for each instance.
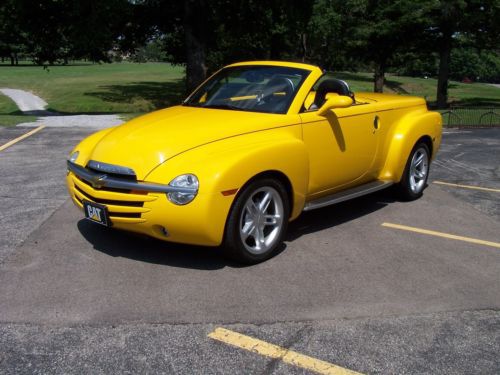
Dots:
(96, 212)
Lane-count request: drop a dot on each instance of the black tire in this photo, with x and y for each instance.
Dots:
(240, 221)
(412, 182)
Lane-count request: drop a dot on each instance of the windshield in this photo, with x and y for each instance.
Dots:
(267, 89)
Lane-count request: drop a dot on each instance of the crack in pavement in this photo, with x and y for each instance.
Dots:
(296, 338)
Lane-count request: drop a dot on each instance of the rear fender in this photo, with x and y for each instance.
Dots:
(404, 135)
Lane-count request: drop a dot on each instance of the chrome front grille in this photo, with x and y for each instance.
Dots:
(117, 181)
(110, 202)
(118, 189)
(123, 205)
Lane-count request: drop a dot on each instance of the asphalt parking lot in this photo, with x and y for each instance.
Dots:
(373, 285)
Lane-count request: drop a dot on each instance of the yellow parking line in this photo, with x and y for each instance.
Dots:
(14, 141)
(466, 186)
(277, 352)
(441, 234)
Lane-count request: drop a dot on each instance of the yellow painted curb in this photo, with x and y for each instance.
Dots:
(466, 186)
(277, 352)
(14, 141)
(441, 234)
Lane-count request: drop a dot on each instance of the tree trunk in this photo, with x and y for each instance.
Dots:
(303, 40)
(444, 71)
(12, 62)
(194, 34)
(379, 78)
(16, 57)
(276, 48)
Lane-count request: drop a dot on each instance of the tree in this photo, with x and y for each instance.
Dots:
(12, 38)
(384, 28)
(152, 50)
(325, 37)
(184, 26)
(466, 61)
(93, 28)
(195, 24)
(447, 21)
(204, 35)
(353, 34)
(55, 30)
(478, 19)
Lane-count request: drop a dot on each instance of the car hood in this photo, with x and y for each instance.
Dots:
(147, 141)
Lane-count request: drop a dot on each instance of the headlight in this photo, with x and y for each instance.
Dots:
(185, 181)
(74, 156)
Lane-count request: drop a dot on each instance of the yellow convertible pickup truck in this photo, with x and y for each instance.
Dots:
(250, 149)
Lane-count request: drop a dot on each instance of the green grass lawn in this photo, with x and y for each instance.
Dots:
(469, 94)
(10, 114)
(95, 88)
(131, 89)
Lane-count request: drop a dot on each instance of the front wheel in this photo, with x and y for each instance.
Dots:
(414, 179)
(257, 222)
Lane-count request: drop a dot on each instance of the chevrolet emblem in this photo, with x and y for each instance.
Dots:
(98, 181)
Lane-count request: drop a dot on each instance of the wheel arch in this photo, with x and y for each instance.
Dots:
(428, 142)
(278, 175)
(275, 174)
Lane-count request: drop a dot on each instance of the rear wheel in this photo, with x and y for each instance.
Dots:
(416, 172)
(258, 221)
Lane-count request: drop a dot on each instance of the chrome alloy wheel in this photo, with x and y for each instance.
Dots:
(261, 220)
(419, 168)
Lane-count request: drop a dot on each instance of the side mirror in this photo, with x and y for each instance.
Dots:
(334, 101)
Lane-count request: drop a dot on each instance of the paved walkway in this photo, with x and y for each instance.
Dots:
(25, 101)
(31, 104)
(75, 121)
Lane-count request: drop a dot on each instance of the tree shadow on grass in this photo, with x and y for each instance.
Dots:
(396, 87)
(354, 77)
(13, 113)
(15, 117)
(159, 94)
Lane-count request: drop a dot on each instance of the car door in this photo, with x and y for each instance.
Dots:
(342, 147)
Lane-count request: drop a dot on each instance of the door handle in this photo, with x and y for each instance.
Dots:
(376, 122)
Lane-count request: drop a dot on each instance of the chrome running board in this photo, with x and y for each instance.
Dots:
(345, 195)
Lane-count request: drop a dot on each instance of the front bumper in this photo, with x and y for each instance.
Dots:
(144, 208)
